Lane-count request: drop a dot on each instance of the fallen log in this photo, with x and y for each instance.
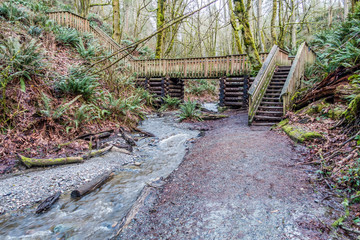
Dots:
(120, 150)
(99, 135)
(92, 185)
(144, 133)
(97, 152)
(328, 87)
(127, 137)
(213, 116)
(47, 203)
(29, 162)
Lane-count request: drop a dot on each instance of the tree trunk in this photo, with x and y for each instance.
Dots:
(235, 28)
(293, 26)
(273, 22)
(116, 21)
(160, 19)
(242, 13)
(259, 25)
(330, 13)
(346, 9)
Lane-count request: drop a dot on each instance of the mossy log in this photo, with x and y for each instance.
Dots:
(96, 153)
(300, 135)
(30, 162)
(213, 116)
(92, 185)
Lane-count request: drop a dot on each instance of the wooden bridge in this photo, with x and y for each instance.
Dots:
(194, 68)
(267, 96)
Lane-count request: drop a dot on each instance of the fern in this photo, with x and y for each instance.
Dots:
(78, 82)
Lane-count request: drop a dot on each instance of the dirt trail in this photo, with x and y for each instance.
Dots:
(236, 183)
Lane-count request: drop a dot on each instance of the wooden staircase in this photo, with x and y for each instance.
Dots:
(270, 110)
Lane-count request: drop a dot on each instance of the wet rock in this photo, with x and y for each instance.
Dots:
(138, 164)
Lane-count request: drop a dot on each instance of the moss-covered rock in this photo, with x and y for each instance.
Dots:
(300, 135)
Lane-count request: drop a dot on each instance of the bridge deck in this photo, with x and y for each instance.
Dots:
(187, 68)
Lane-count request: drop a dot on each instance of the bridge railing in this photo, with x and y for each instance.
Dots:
(207, 67)
(303, 57)
(72, 20)
(276, 57)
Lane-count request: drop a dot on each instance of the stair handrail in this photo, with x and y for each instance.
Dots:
(277, 56)
(305, 55)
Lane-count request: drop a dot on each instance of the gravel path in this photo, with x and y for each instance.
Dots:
(236, 183)
(29, 188)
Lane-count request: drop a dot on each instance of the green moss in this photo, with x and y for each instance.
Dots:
(335, 113)
(300, 135)
(283, 122)
(353, 110)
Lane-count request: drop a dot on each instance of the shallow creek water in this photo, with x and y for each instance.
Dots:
(95, 215)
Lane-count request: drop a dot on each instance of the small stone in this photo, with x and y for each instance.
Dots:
(138, 164)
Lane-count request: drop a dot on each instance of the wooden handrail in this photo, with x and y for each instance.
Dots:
(293, 81)
(277, 56)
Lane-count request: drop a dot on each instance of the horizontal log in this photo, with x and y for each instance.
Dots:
(155, 88)
(233, 94)
(30, 162)
(155, 80)
(92, 185)
(233, 103)
(175, 86)
(155, 83)
(208, 116)
(175, 90)
(233, 83)
(233, 99)
(234, 89)
(176, 95)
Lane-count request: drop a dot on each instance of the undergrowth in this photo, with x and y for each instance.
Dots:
(48, 99)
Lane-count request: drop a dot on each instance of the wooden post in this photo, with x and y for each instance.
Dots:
(222, 92)
(245, 91)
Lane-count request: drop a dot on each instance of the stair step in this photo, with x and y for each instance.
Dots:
(270, 98)
(270, 108)
(263, 124)
(271, 103)
(268, 94)
(276, 87)
(270, 112)
(260, 117)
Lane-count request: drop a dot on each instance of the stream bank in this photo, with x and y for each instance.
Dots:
(95, 215)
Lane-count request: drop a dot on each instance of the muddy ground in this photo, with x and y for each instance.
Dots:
(236, 183)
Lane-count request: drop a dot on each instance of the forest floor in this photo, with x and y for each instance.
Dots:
(236, 182)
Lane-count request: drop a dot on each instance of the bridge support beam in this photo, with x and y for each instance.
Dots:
(234, 91)
(162, 87)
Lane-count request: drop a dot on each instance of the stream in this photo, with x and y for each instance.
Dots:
(95, 215)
